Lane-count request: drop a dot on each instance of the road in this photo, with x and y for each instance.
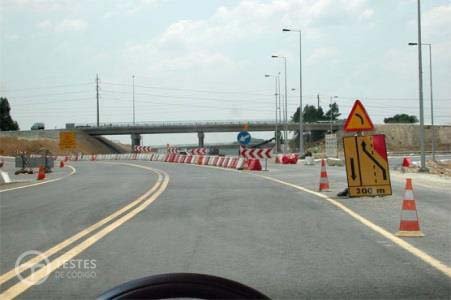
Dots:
(284, 241)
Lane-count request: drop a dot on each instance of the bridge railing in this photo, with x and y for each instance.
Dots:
(171, 123)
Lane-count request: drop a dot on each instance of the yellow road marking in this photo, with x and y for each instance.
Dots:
(161, 182)
(42, 182)
(435, 263)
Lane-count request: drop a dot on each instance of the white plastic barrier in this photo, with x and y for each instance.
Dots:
(309, 161)
(4, 177)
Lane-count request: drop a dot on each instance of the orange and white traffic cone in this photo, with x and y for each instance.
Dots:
(41, 173)
(323, 180)
(409, 225)
(61, 164)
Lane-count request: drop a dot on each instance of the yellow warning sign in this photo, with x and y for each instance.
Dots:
(68, 140)
(358, 119)
(367, 167)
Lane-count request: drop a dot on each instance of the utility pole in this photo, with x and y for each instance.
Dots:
(97, 96)
(432, 103)
(317, 106)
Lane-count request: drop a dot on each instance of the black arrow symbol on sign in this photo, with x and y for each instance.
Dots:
(353, 170)
(360, 117)
(384, 172)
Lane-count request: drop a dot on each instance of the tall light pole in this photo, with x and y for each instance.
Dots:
(420, 83)
(133, 78)
(97, 97)
(276, 95)
(285, 104)
(301, 117)
(431, 96)
(330, 110)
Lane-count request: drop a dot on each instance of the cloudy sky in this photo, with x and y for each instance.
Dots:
(206, 59)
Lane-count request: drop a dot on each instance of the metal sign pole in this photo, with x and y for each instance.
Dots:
(266, 164)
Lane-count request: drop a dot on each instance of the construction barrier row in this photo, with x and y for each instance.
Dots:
(231, 162)
(291, 158)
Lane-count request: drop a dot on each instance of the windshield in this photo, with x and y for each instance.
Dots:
(225, 149)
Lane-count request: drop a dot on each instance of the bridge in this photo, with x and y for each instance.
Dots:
(199, 127)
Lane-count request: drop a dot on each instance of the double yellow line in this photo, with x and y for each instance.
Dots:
(105, 226)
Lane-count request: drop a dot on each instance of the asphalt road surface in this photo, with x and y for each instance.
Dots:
(284, 241)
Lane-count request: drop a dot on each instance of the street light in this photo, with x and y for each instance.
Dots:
(420, 91)
(432, 101)
(276, 94)
(133, 78)
(286, 101)
(301, 117)
(330, 110)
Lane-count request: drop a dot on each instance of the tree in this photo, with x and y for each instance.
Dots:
(333, 110)
(310, 114)
(6, 122)
(313, 114)
(401, 118)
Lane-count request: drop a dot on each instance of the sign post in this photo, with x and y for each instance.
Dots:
(366, 159)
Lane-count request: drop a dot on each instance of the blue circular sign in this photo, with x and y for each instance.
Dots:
(244, 138)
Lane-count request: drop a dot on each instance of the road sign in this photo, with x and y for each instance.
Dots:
(68, 140)
(199, 151)
(264, 153)
(367, 165)
(331, 145)
(358, 119)
(244, 138)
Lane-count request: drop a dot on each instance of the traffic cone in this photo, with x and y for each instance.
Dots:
(41, 173)
(61, 164)
(323, 180)
(409, 225)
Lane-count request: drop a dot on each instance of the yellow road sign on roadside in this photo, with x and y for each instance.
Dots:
(68, 140)
(367, 167)
(358, 119)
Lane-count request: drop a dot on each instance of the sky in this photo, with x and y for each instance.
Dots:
(206, 59)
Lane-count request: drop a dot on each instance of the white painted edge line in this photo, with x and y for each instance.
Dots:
(433, 262)
(42, 182)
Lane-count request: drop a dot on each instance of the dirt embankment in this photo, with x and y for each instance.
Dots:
(11, 145)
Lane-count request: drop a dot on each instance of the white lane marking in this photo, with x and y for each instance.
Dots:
(435, 263)
(152, 195)
(42, 182)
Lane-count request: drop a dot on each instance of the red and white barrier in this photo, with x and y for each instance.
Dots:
(171, 150)
(199, 151)
(220, 161)
(260, 153)
(142, 149)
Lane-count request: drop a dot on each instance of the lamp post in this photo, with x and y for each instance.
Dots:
(276, 79)
(431, 96)
(133, 78)
(420, 94)
(330, 110)
(301, 117)
(285, 104)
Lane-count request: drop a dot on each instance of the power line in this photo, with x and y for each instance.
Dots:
(44, 87)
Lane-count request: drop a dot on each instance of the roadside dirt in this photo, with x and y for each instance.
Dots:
(442, 168)
(10, 146)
